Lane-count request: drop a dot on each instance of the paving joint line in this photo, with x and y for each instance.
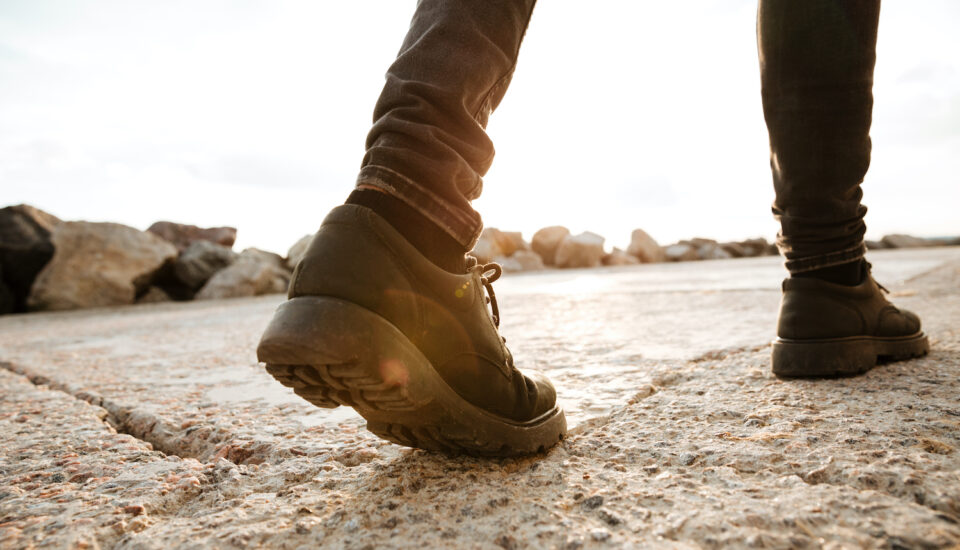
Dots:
(118, 417)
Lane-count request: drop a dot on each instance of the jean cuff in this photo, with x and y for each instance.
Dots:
(464, 226)
(811, 263)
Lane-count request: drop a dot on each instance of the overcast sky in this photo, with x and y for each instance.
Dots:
(624, 115)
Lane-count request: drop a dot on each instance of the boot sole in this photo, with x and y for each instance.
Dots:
(333, 352)
(842, 356)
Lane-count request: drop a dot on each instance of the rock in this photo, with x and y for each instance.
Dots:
(25, 248)
(511, 242)
(681, 252)
(183, 235)
(546, 241)
(703, 246)
(583, 250)
(711, 250)
(619, 257)
(263, 256)
(903, 241)
(644, 247)
(757, 247)
(200, 261)
(875, 245)
(154, 295)
(735, 250)
(493, 243)
(488, 246)
(592, 503)
(715, 253)
(254, 273)
(522, 260)
(509, 265)
(296, 252)
(98, 264)
(600, 535)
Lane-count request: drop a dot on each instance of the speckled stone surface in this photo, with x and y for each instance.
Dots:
(152, 426)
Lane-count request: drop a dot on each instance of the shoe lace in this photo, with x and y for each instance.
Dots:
(487, 280)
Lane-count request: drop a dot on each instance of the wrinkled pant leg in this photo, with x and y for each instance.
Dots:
(428, 145)
(816, 71)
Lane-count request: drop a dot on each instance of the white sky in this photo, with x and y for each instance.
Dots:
(630, 114)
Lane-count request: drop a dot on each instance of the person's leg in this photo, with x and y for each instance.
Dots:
(816, 64)
(427, 150)
(385, 313)
(816, 67)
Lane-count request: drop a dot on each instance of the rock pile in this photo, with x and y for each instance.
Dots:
(49, 264)
(709, 249)
(508, 249)
(555, 246)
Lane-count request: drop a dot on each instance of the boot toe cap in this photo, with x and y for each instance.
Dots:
(899, 322)
(544, 392)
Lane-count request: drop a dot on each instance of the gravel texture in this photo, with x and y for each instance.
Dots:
(152, 426)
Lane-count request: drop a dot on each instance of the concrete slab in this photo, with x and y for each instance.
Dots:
(682, 437)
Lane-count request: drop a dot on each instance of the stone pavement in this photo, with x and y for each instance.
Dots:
(153, 427)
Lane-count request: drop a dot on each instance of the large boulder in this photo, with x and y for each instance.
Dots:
(583, 250)
(511, 242)
(98, 264)
(200, 261)
(619, 257)
(903, 241)
(494, 244)
(546, 241)
(254, 273)
(296, 252)
(644, 247)
(25, 247)
(183, 235)
(488, 246)
(521, 260)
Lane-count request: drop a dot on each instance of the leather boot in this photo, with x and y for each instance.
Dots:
(828, 329)
(373, 324)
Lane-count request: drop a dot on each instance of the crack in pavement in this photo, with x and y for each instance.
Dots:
(142, 425)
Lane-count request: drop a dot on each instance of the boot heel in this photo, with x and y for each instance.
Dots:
(333, 352)
(825, 358)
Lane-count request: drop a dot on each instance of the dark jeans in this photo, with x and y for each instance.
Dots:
(428, 145)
